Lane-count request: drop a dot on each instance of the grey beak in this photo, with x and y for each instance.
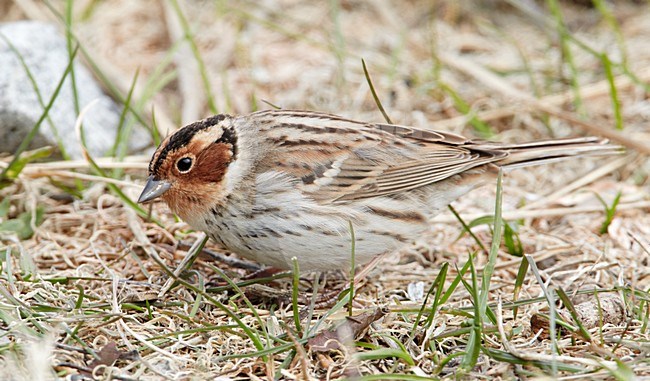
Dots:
(153, 189)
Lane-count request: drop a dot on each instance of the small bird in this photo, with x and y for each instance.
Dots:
(274, 185)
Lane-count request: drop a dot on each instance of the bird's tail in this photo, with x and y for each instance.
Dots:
(545, 151)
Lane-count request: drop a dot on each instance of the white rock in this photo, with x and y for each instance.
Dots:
(44, 51)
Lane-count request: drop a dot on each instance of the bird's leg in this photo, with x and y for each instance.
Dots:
(328, 298)
(264, 272)
(231, 260)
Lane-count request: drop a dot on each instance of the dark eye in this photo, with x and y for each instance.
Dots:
(184, 164)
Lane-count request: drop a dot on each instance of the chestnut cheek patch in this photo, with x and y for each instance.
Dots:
(212, 162)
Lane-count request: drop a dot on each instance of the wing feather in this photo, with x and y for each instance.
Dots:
(336, 159)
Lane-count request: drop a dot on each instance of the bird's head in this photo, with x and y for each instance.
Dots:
(189, 168)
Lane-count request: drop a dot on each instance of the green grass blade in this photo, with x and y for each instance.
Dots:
(574, 314)
(494, 248)
(240, 292)
(197, 56)
(511, 240)
(384, 353)
(25, 158)
(519, 281)
(103, 78)
(338, 44)
(481, 128)
(564, 35)
(32, 133)
(343, 301)
(473, 347)
(374, 93)
(294, 295)
(352, 265)
(613, 91)
(468, 229)
(437, 285)
(70, 42)
(610, 18)
(506, 357)
(39, 96)
(456, 281)
(610, 211)
(121, 143)
(253, 335)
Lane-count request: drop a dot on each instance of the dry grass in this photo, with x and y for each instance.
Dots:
(83, 291)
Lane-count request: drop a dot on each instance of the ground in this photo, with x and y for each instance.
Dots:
(82, 270)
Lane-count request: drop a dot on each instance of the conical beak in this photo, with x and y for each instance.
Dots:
(153, 189)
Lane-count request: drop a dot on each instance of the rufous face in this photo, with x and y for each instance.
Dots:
(188, 167)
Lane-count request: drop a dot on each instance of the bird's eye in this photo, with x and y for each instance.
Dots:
(184, 164)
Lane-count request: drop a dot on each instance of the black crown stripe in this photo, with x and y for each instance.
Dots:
(182, 137)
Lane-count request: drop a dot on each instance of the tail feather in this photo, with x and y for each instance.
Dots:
(545, 151)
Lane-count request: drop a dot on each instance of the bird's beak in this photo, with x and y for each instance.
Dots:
(153, 189)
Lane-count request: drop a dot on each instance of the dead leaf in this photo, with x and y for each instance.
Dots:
(107, 356)
(336, 337)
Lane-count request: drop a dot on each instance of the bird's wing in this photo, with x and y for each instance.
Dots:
(336, 159)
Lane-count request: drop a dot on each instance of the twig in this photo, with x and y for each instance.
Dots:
(192, 254)
(129, 162)
(77, 175)
(579, 183)
(491, 80)
(228, 260)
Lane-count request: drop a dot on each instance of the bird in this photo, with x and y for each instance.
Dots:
(275, 185)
